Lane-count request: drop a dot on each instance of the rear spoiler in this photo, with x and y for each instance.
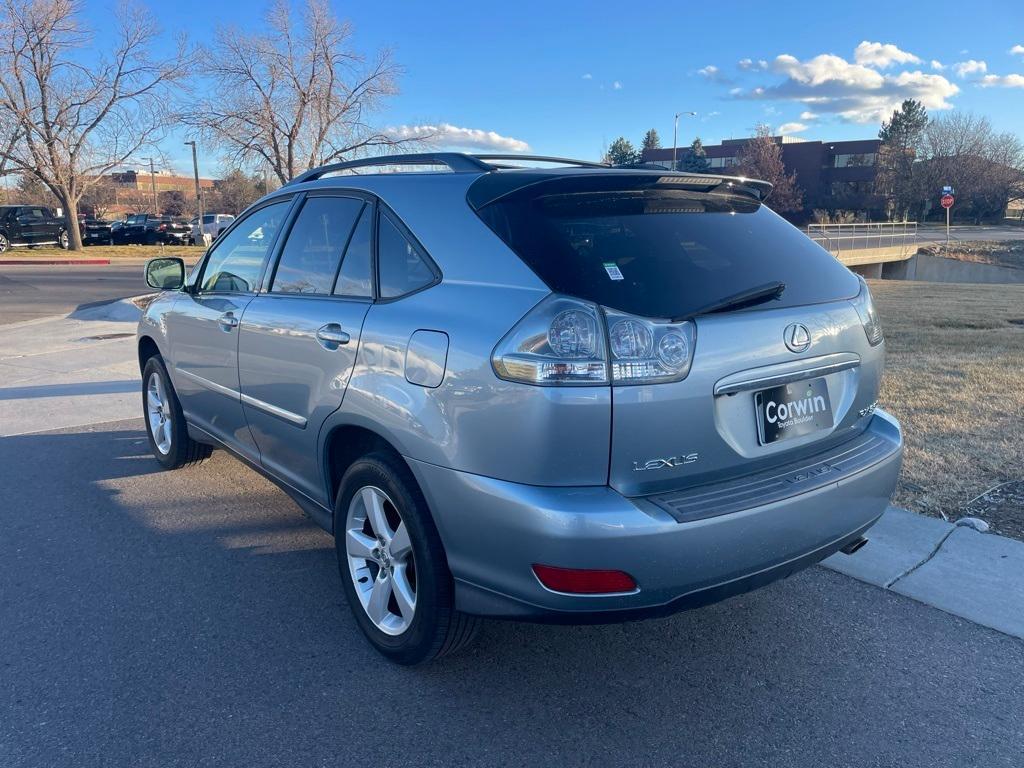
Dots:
(491, 187)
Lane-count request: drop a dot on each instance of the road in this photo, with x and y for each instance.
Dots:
(29, 292)
(196, 617)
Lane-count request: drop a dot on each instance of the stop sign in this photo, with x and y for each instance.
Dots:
(946, 201)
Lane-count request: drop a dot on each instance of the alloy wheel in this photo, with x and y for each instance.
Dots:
(380, 560)
(158, 413)
(4, 244)
(63, 239)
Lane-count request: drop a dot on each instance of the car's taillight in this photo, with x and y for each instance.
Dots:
(559, 342)
(562, 341)
(162, 227)
(868, 315)
(648, 351)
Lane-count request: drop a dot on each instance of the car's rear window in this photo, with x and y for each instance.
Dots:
(661, 253)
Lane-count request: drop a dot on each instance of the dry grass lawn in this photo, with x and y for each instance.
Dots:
(108, 252)
(955, 379)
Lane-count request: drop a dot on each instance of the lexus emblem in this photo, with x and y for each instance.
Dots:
(797, 337)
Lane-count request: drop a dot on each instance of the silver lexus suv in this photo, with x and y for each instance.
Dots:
(564, 393)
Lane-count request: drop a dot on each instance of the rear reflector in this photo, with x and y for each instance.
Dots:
(583, 582)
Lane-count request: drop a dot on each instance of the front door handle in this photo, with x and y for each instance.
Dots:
(227, 321)
(331, 336)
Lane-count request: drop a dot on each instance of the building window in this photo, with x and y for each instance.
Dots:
(721, 162)
(858, 160)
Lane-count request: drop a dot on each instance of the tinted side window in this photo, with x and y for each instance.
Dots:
(311, 254)
(234, 264)
(354, 277)
(401, 267)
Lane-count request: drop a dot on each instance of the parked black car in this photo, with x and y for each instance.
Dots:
(94, 231)
(25, 225)
(150, 229)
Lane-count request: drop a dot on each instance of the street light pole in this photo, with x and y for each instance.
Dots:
(675, 135)
(199, 196)
(152, 184)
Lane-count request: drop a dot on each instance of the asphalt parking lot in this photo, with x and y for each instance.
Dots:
(196, 617)
(28, 292)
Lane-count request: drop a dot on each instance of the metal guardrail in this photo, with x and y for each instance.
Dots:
(840, 238)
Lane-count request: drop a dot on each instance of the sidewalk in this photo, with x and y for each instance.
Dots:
(70, 371)
(955, 568)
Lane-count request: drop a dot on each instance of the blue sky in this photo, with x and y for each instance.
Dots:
(566, 78)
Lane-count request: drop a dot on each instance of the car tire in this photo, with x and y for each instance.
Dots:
(5, 244)
(63, 241)
(165, 423)
(434, 628)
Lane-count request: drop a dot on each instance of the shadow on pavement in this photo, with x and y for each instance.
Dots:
(155, 618)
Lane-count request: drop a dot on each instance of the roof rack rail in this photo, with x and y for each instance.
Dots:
(456, 161)
(542, 159)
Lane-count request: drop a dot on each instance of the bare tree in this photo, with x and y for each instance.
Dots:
(76, 116)
(761, 158)
(985, 168)
(295, 96)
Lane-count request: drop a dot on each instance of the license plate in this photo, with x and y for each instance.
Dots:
(792, 410)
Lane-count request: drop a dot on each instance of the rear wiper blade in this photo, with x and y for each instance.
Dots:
(748, 298)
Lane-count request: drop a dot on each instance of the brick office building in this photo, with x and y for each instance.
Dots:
(834, 175)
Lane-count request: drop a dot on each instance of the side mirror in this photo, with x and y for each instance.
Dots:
(167, 274)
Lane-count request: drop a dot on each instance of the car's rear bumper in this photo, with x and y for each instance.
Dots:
(494, 531)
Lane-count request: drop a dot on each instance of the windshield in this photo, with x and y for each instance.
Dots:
(663, 253)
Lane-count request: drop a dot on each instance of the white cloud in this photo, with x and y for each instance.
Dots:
(710, 71)
(735, 91)
(787, 128)
(750, 64)
(588, 76)
(1003, 81)
(970, 67)
(808, 115)
(882, 55)
(617, 85)
(445, 134)
(937, 65)
(1017, 50)
(857, 93)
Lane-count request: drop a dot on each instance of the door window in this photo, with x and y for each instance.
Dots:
(235, 263)
(402, 266)
(310, 258)
(357, 266)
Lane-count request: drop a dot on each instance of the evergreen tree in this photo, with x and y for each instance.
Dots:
(897, 178)
(621, 152)
(694, 159)
(651, 141)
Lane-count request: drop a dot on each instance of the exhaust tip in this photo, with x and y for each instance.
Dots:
(854, 545)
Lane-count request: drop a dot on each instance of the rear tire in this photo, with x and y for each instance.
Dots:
(5, 244)
(412, 563)
(62, 240)
(165, 424)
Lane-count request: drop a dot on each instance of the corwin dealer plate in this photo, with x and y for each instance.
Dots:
(792, 410)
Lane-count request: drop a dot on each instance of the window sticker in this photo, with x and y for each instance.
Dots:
(613, 270)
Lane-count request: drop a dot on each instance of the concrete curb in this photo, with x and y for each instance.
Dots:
(51, 262)
(977, 576)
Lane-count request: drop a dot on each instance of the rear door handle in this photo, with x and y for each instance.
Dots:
(331, 336)
(228, 321)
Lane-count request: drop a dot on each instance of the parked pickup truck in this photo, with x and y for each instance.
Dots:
(150, 229)
(30, 225)
(94, 231)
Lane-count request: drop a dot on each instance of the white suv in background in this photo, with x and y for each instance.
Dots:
(213, 224)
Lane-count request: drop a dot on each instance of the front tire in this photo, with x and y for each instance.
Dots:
(62, 240)
(165, 424)
(393, 566)
(5, 244)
